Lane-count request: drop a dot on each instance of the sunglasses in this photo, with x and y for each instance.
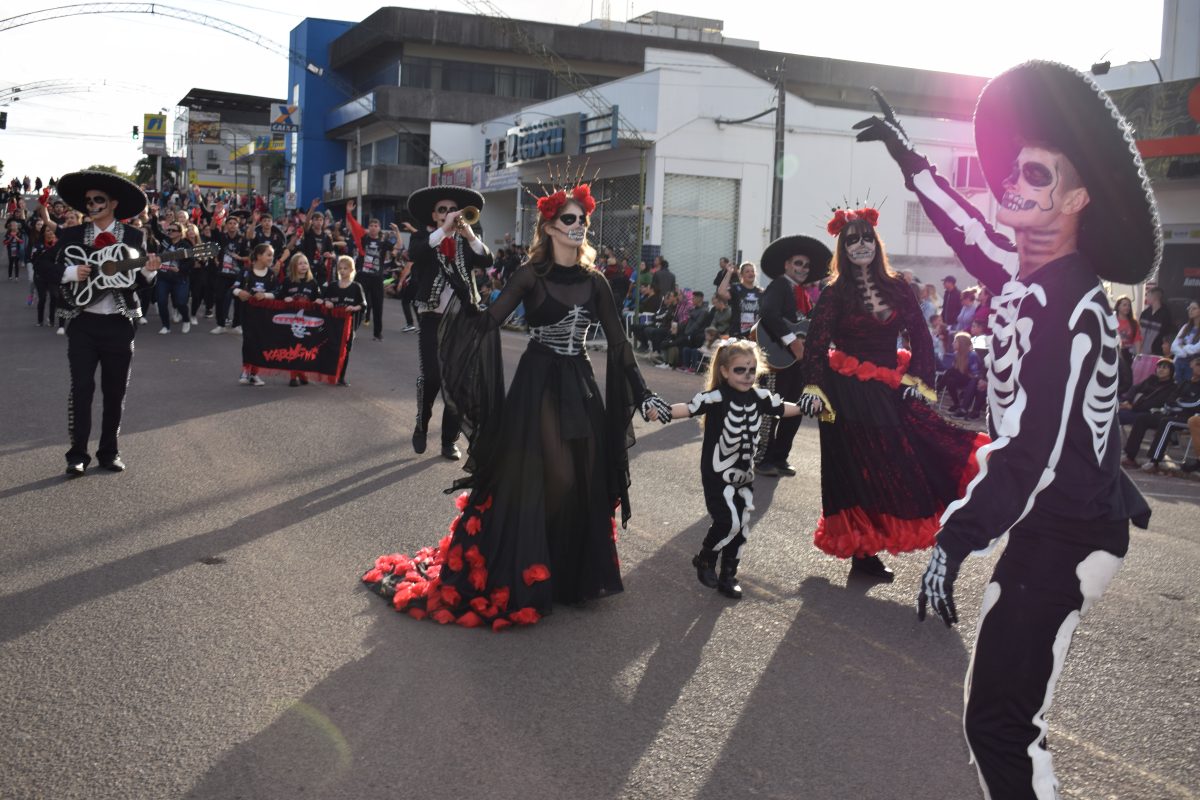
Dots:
(445, 209)
(741, 370)
(571, 219)
(854, 238)
(174, 230)
(95, 200)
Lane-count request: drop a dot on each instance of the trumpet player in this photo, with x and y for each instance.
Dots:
(444, 254)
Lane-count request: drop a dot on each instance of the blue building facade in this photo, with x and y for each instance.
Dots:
(314, 155)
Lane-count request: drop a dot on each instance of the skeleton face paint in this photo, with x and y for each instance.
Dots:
(576, 232)
(860, 247)
(1034, 191)
(796, 268)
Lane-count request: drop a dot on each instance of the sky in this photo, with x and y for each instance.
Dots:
(127, 65)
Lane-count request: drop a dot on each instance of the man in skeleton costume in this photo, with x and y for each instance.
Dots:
(444, 256)
(105, 309)
(1061, 161)
(790, 262)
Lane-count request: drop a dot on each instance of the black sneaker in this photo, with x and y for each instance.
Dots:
(116, 465)
(872, 567)
(76, 469)
(451, 452)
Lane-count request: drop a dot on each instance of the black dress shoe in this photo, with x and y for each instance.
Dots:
(767, 470)
(116, 465)
(786, 469)
(76, 469)
(872, 567)
(451, 452)
(419, 434)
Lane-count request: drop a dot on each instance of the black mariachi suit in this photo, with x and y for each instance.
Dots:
(1051, 479)
(778, 307)
(432, 272)
(103, 338)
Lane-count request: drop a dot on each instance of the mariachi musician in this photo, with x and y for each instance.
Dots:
(103, 310)
(445, 252)
(790, 262)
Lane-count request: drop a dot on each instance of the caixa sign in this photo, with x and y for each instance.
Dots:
(549, 138)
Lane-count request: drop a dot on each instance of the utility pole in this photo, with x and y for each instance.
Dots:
(777, 160)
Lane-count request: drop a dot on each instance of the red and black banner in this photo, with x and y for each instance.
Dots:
(298, 337)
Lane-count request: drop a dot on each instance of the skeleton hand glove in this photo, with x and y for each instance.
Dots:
(659, 405)
(912, 393)
(889, 131)
(937, 587)
(810, 405)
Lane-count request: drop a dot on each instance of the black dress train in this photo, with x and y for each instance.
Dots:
(547, 466)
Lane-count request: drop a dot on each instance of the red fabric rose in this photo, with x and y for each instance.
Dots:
(481, 606)
(403, 596)
(433, 572)
(433, 601)
(460, 502)
(443, 617)
(374, 576)
(450, 596)
(470, 620)
(474, 557)
(582, 194)
(849, 365)
(836, 359)
(535, 573)
(454, 558)
(443, 546)
(866, 371)
(417, 613)
(613, 520)
(454, 525)
(478, 578)
(500, 624)
(486, 505)
(105, 239)
(871, 215)
(526, 616)
(549, 205)
(474, 525)
(837, 222)
(903, 358)
(890, 377)
(500, 597)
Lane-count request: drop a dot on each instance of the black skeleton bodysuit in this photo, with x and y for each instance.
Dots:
(1051, 480)
(732, 423)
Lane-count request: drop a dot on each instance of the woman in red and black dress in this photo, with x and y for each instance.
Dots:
(889, 464)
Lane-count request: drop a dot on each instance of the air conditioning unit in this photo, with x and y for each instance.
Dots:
(968, 174)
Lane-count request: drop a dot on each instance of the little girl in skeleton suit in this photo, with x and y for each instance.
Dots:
(733, 408)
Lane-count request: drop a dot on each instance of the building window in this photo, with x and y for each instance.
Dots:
(416, 72)
(414, 151)
(700, 224)
(915, 220)
(367, 154)
(387, 150)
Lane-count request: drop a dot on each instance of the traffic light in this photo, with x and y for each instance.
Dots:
(135, 131)
(3, 120)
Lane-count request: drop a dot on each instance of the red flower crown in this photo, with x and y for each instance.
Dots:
(843, 215)
(549, 205)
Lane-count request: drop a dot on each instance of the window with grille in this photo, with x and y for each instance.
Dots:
(700, 225)
(915, 220)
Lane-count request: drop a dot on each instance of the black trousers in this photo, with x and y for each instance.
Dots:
(1047, 578)
(730, 507)
(46, 290)
(223, 292)
(104, 340)
(789, 384)
(429, 382)
(372, 283)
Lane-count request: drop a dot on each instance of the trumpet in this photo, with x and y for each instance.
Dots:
(468, 216)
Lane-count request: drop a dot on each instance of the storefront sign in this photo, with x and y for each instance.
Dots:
(551, 138)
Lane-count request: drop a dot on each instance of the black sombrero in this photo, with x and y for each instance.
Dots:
(73, 188)
(422, 201)
(783, 248)
(1043, 102)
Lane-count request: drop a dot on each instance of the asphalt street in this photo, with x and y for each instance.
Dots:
(195, 628)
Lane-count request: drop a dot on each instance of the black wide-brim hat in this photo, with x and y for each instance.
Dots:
(73, 188)
(783, 248)
(1043, 103)
(422, 202)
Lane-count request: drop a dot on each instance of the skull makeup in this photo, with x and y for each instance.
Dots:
(860, 246)
(1035, 191)
(576, 235)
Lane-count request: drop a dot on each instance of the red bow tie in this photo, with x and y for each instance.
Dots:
(104, 240)
(448, 248)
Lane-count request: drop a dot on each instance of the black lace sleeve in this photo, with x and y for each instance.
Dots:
(816, 347)
(624, 391)
(922, 364)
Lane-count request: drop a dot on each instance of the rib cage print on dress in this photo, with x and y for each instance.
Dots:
(566, 336)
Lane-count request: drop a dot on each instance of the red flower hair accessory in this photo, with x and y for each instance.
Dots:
(550, 205)
(843, 215)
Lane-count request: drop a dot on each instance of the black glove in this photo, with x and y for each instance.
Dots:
(913, 393)
(937, 587)
(889, 131)
(657, 403)
(807, 402)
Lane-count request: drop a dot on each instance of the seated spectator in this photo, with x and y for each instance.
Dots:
(967, 314)
(689, 333)
(650, 336)
(964, 380)
(943, 347)
(1155, 392)
(1185, 404)
(1187, 343)
(692, 356)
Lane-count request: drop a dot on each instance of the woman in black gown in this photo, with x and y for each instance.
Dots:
(547, 465)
